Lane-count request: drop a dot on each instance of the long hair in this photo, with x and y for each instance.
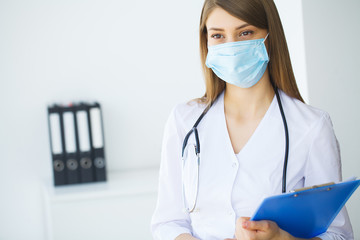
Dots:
(262, 14)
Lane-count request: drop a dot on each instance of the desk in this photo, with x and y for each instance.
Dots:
(120, 208)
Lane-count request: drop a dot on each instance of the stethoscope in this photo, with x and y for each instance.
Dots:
(197, 151)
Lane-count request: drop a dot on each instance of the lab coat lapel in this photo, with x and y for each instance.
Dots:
(217, 134)
(217, 169)
(217, 173)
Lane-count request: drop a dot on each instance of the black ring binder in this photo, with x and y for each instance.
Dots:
(77, 143)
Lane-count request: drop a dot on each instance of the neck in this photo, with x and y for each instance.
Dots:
(249, 103)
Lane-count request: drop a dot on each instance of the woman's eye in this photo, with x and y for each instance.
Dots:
(246, 33)
(217, 36)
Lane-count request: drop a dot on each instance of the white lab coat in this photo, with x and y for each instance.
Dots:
(233, 185)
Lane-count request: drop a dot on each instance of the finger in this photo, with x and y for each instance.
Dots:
(240, 220)
(258, 225)
(230, 239)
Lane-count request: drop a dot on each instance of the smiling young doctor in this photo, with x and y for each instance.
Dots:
(257, 136)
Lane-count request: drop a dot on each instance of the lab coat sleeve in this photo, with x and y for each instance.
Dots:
(169, 220)
(324, 165)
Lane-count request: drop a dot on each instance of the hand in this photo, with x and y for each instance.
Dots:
(185, 236)
(259, 230)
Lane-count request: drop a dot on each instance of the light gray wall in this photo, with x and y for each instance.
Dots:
(137, 58)
(332, 53)
(291, 15)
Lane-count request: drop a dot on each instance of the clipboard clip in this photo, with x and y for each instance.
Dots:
(314, 186)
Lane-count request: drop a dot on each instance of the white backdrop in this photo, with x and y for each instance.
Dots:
(137, 58)
(332, 54)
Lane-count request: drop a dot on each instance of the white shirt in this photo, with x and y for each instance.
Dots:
(233, 185)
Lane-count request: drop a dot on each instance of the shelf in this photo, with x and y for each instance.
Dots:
(110, 210)
(119, 183)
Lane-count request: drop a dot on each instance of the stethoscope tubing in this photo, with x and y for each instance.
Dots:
(197, 149)
(286, 157)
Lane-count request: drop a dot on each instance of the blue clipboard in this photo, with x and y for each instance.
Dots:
(308, 212)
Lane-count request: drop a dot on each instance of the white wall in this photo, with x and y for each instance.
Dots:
(291, 15)
(332, 56)
(137, 58)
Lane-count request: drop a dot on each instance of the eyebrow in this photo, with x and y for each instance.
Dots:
(221, 29)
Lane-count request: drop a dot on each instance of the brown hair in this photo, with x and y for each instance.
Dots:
(262, 14)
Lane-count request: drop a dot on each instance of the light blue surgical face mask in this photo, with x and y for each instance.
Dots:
(241, 63)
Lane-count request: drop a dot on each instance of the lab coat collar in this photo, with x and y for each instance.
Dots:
(215, 134)
(219, 127)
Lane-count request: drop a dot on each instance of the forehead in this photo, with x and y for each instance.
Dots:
(219, 18)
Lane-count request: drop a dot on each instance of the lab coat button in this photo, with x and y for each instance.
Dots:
(234, 165)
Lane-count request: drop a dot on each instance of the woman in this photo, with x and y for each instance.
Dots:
(245, 62)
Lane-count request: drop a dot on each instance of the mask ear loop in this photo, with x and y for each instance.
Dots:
(264, 43)
(266, 37)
